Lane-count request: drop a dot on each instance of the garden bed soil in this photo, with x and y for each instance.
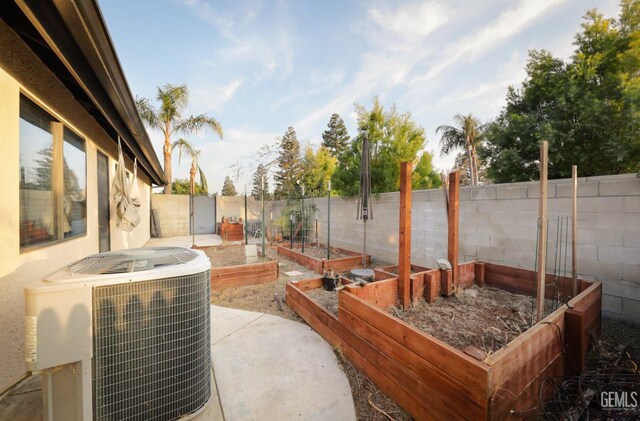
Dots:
(228, 255)
(229, 268)
(486, 318)
(316, 252)
(321, 265)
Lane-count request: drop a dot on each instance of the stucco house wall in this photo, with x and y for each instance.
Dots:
(22, 73)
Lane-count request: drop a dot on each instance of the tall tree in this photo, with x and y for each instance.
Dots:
(336, 137)
(228, 188)
(394, 138)
(424, 176)
(290, 171)
(183, 186)
(587, 108)
(187, 148)
(258, 175)
(467, 134)
(461, 164)
(318, 168)
(167, 118)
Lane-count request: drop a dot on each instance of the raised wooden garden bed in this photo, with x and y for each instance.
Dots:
(232, 231)
(229, 274)
(433, 380)
(342, 264)
(243, 275)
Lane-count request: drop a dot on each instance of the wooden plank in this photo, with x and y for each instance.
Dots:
(432, 387)
(575, 339)
(527, 403)
(446, 282)
(520, 361)
(381, 275)
(372, 363)
(243, 275)
(382, 294)
(453, 219)
(480, 274)
(344, 264)
(307, 284)
(513, 366)
(432, 287)
(459, 366)
(467, 274)
(404, 242)
(302, 259)
(418, 269)
(523, 281)
(542, 230)
(417, 288)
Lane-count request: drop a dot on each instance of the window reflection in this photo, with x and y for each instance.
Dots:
(75, 184)
(37, 216)
(52, 205)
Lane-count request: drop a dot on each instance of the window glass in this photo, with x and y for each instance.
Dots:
(74, 201)
(37, 204)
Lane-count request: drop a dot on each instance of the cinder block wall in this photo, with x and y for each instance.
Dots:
(173, 213)
(233, 206)
(498, 224)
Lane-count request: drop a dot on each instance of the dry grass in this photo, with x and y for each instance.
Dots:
(327, 299)
(227, 255)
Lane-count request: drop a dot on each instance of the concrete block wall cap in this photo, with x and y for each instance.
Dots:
(612, 177)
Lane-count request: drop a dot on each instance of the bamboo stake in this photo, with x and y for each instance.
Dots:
(574, 225)
(542, 221)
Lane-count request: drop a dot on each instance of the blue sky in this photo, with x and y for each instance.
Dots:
(261, 66)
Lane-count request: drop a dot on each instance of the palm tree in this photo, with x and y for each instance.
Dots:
(186, 147)
(467, 134)
(168, 119)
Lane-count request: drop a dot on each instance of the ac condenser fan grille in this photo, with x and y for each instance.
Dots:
(152, 349)
(132, 260)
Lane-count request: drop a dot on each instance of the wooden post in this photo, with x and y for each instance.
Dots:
(542, 224)
(574, 222)
(479, 274)
(404, 255)
(575, 339)
(453, 217)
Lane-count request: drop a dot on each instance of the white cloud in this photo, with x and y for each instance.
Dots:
(396, 47)
(239, 145)
(271, 48)
(490, 36)
(213, 97)
(476, 98)
(411, 22)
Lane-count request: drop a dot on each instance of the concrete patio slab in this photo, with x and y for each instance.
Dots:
(274, 368)
(202, 240)
(265, 367)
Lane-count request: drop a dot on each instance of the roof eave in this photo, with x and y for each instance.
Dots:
(84, 46)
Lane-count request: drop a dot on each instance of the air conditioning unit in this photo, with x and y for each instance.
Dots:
(123, 335)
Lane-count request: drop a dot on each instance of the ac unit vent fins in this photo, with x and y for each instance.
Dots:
(152, 348)
(132, 260)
